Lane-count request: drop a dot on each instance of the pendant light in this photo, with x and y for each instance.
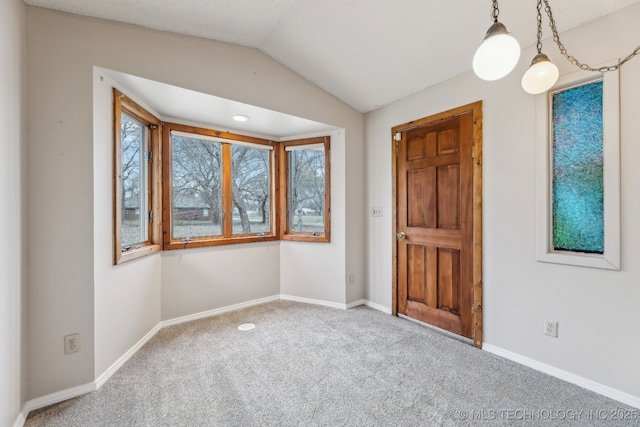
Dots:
(542, 74)
(499, 52)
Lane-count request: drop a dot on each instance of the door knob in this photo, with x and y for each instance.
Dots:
(401, 235)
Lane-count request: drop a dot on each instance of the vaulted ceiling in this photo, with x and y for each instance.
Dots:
(368, 53)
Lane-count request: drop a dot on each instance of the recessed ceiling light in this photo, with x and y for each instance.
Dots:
(241, 118)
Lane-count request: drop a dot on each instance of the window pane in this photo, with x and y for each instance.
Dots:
(578, 186)
(195, 187)
(306, 190)
(134, 181)
(251, 199)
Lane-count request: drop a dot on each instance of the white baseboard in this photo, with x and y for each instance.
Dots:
(59, 396)
(313, 301)
(378, 307)
(369, 304)
(356, 303)
(62, 395)
(72, 392)
(602, 389)
(125, 357)
(217, 311)
(22, 418)
(353, 304)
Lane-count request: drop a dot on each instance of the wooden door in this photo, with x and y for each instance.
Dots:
(435, 218)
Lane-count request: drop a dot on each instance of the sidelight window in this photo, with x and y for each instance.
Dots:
(305, 189)
(135, 195)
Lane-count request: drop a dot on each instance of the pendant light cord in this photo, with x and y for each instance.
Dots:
(495, 11)
(563, 50)
(539, 35)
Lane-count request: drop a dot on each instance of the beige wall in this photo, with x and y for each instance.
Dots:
(73, 287)
(324, 278)
(126, 297)
(199, 280)
(597, 310)
(12, 192)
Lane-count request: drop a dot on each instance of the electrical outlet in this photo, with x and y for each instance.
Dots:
(71, 343)
(551, 328)
(376, 211)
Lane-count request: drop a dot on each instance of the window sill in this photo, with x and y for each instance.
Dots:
(201, 243)
(306, 238)
(136, 253)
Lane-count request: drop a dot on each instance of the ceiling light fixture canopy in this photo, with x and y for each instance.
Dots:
(494, 60)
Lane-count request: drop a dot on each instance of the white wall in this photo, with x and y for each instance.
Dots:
(12, 193)
(60, 214)
(318, 270)
(356, 212)
(596, 309)
(127, 296)
(68, 187)
(198, 280)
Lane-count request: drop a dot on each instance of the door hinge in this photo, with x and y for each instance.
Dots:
(150, 156)
(150, 216)
(397, 137)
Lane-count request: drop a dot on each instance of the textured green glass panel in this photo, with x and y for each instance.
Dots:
(578, 190)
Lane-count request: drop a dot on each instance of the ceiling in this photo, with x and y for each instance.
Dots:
(368, 53)
(180, 105)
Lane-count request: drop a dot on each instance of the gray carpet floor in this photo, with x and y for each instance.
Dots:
(306, 365)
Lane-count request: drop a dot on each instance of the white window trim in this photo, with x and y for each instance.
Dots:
(610, 259)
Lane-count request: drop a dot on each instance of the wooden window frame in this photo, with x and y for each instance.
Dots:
(123, 103)
(159, 187)
(285, 233)
(227, 236)
(610, 259)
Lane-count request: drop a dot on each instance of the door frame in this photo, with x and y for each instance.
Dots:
(476, 110)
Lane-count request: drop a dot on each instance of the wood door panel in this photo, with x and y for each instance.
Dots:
(432, 276)
(448, 142)
(421, 204)
(448, 194)
(435, 208)
(438, 237)
(445, 159)
(416, 148)
(441, 319)
(403, 277)
(417, 188)
(416, 275)
(449, 280)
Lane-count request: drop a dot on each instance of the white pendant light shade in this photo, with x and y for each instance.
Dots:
(541, 75)
(497, 55)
